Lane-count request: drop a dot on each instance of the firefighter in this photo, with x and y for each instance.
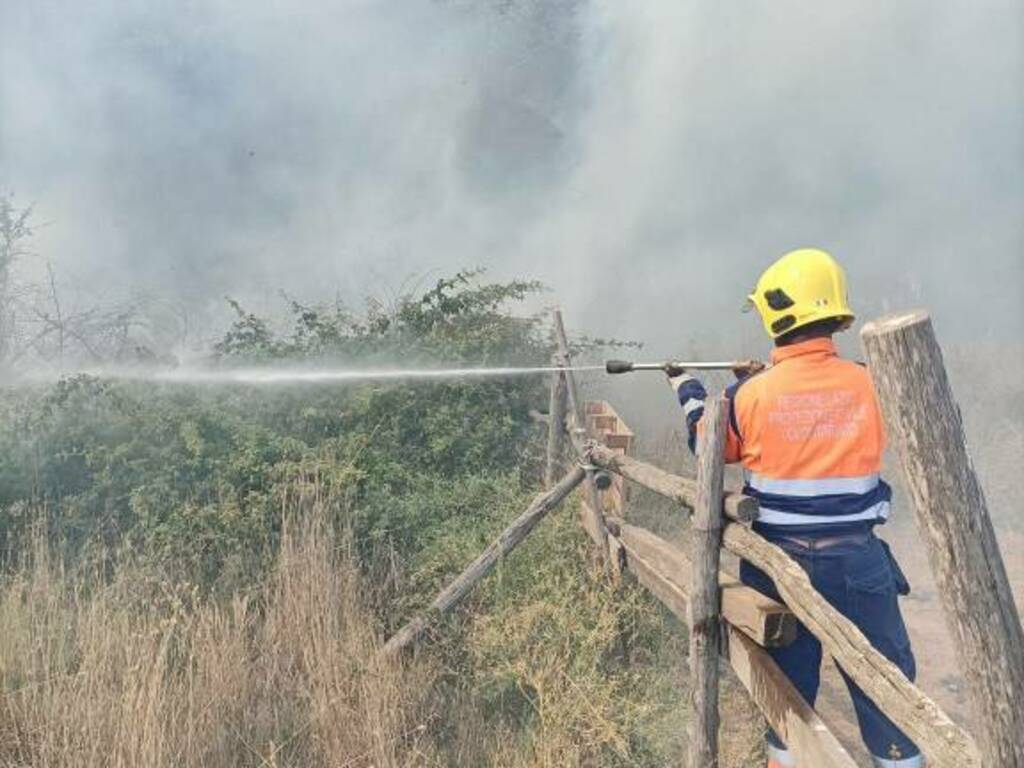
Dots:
(808, 433)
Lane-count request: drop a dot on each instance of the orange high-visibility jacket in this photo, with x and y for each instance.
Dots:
(809, 433)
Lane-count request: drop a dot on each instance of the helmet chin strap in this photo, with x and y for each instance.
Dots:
(821, 330)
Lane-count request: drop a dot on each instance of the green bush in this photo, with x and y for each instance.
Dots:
(194, 474)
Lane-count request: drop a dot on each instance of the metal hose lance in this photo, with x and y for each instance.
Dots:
(678, 366)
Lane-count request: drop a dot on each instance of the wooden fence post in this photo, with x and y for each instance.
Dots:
(556, 426)
(705, 624)
(577, 419)
(924, 421)
(593, 516)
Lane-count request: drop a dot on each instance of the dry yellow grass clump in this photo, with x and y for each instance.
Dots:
(124, 671)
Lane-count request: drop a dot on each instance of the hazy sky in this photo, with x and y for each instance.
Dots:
(645, 159)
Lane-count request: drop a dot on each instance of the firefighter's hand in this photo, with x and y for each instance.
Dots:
(747, 369)
(674, 371)
(677, 377)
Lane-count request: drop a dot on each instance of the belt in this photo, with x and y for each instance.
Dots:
(824, 542)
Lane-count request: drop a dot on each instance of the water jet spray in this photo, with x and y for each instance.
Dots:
(273, 376)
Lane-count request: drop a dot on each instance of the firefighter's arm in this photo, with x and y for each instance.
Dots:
(691, 394)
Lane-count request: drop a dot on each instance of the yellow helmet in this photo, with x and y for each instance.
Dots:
(802, 287)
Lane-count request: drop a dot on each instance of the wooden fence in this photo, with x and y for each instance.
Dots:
(729, 620)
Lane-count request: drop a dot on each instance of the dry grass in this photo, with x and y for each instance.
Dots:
(115, 666)
(127, 672)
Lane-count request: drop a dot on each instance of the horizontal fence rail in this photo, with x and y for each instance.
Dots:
(735, 506)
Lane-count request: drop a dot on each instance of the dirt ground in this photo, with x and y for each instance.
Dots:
(933, 646)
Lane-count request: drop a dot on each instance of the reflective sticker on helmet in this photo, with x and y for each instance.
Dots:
(778, 299)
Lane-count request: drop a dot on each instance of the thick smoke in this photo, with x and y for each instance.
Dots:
(235, 147)
(721, 135)
(643, 159)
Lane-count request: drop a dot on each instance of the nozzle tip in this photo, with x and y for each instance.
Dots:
(618, 366)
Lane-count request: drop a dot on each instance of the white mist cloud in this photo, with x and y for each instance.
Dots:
(644, 159)
(720, 135)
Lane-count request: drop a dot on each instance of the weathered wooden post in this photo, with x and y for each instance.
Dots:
(924, 421)
(705, 624)
(578, 423)
(556, 425)
(593, 517)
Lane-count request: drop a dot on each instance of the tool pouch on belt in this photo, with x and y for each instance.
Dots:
(902, 585)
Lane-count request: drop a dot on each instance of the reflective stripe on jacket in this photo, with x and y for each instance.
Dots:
(809, 434)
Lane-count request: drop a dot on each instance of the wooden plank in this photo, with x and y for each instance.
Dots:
(616, 496)
(621, 441)
(508, 540)
(668, 591)
(705, 614)
(768, 623)
(765, 621)
(943, 742)
(597, 533)
(736, 506)
(616, 559)
(607, 426)
(924, 421)
(813, 745)
(618, 440)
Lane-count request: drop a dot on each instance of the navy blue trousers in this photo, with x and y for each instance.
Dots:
(862, 580)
